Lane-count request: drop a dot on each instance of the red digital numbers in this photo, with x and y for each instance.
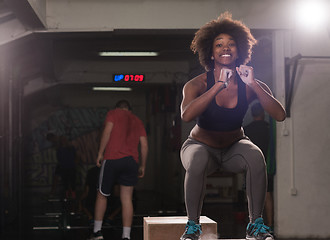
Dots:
(133, 78)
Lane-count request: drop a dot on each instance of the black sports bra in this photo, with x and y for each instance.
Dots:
(216, 118)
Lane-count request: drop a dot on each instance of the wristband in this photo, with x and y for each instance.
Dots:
(225, 84)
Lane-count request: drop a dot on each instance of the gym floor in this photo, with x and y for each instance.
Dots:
(55, 218)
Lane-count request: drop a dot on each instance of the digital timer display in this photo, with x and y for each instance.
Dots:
(128, 77)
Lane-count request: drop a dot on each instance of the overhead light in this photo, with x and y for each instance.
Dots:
(128, 54)
(119, 89)
(311, 14)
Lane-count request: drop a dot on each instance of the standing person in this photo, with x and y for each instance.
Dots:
(218, 100)
(51, 137)
(66, 165)
(67, 157)
(118, 158)
(258, 129)
(259, 133)
(88, 197)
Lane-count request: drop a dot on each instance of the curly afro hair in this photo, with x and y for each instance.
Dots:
(204, 37)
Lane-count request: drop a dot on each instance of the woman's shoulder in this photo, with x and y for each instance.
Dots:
(197, 85)
(198, 81)
(201, 77)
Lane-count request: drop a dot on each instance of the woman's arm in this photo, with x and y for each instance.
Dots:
(269, 103)
(195, 100)
(261, 91)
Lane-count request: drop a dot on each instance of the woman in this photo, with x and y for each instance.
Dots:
(218, 99)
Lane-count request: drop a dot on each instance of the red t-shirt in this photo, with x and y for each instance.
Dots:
(125, 135)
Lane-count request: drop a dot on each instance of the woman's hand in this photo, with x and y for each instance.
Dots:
(246, 73)
(225, 75)
(262, 92)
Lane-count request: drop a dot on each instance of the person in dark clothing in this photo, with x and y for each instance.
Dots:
(259, 133)
(51, 137)
(87, 198)
(66, 156)
(66, 164)
(258, 129)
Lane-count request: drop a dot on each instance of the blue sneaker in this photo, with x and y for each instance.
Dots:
(258, 231)
(192, 232)
(271, 230)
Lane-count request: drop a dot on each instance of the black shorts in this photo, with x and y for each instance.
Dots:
(123, 171)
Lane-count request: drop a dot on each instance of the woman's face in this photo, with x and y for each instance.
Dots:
(224, 50)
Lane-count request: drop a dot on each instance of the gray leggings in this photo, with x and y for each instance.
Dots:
(200, 160)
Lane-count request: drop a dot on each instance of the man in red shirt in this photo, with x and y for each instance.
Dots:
(118, 158)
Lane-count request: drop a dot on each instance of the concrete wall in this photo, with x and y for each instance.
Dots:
(11, 31)
(104, 15)
(301, 196)
(306, 162)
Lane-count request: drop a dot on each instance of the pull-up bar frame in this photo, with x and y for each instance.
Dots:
(290, 80)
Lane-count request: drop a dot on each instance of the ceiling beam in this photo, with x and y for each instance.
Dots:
(25, 14)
